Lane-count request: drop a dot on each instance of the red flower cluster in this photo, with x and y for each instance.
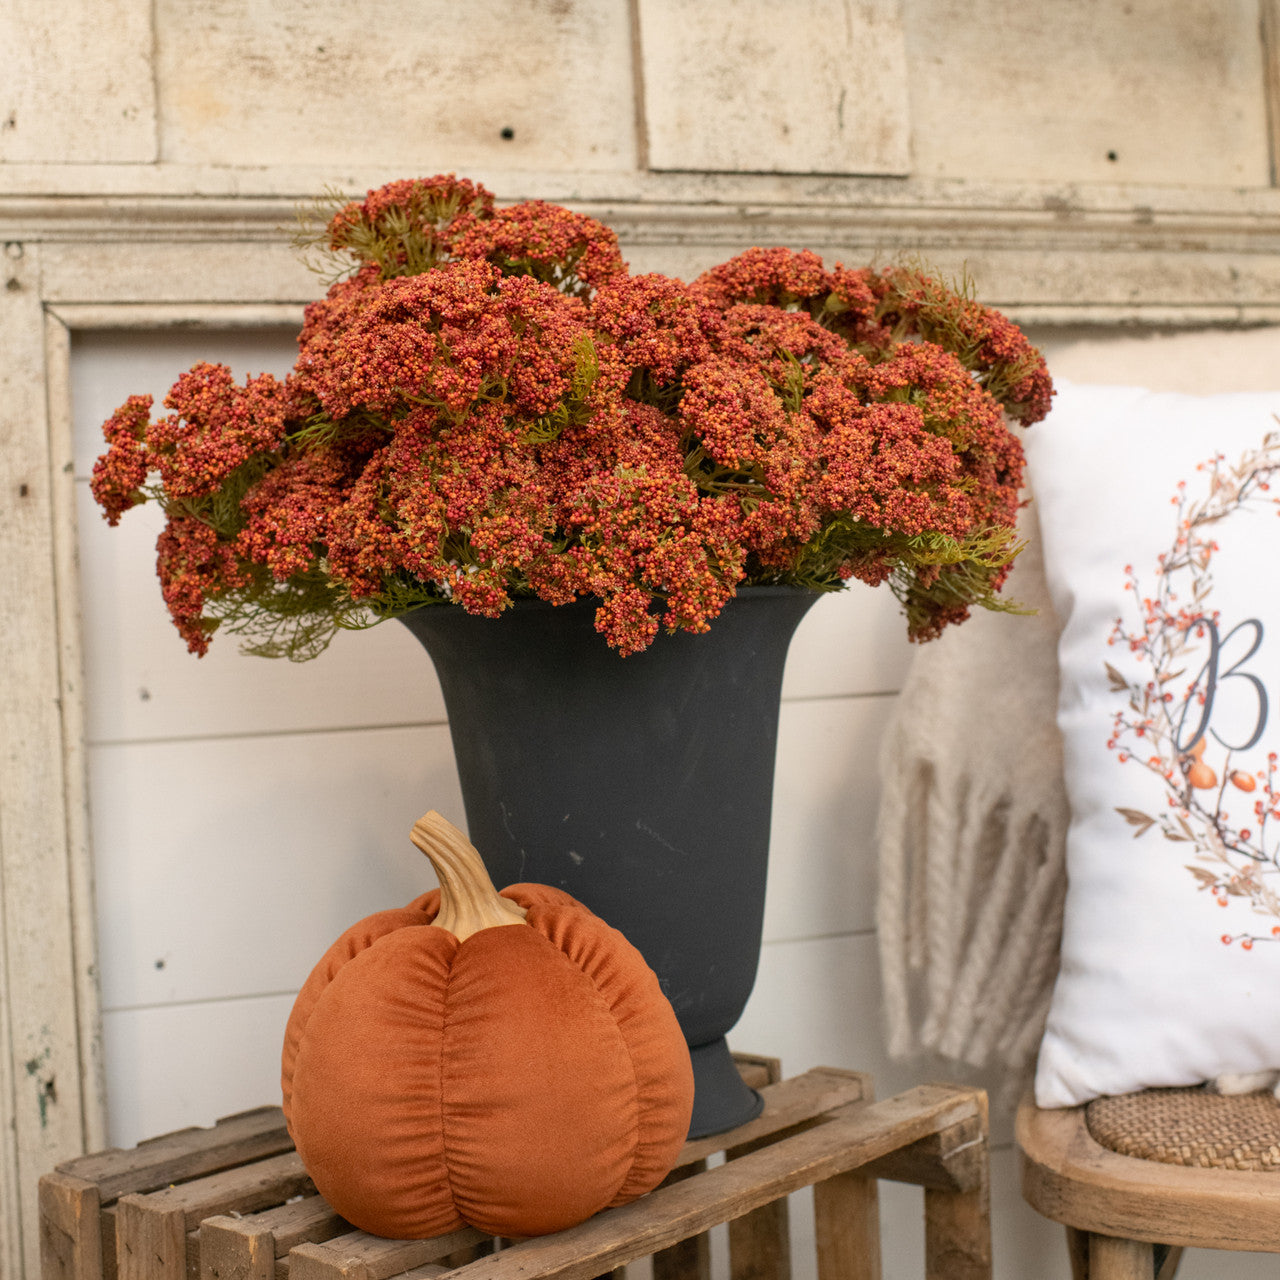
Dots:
(490, 405)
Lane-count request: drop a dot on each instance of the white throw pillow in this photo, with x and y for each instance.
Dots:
(1162, 553)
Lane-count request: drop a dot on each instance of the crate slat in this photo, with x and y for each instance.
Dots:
(296, 1221)
(236, 1249)
(681, 1209)
(957, 1223)
(360, 1256)
(69, 1226)
(245, 1188)
(78, 1200)
(757, 1071)
(150, 1244)
(151, 1230)
(787, 1105)
(249, 1246)
(953, 1160)
(181, 1156)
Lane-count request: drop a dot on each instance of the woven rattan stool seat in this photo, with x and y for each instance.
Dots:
(1192, 1128)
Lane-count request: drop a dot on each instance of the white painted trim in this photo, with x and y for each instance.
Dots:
(79, 188)
(10, 1205)
(131, 204)
(66, 572)
(85, 317)
(1117, 315)
(42, 899)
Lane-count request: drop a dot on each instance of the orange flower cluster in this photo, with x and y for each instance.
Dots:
(490, 405)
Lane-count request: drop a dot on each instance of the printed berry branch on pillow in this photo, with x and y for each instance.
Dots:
(1222, 792)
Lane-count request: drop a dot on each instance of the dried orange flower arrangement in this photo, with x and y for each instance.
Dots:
(488, 405)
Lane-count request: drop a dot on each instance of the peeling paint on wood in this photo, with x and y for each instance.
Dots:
(1043, 92)
(77, 84)
(36, 919)
(739, 87)
(268, 84)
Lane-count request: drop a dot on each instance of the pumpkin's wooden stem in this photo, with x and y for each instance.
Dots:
(468, 900)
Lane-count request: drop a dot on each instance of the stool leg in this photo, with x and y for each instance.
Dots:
(1111, 1258)
(1078, 1252)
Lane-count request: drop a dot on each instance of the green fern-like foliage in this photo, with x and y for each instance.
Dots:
(296, 619)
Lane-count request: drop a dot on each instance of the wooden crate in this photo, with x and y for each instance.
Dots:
(82, 1200)
(201, 1205)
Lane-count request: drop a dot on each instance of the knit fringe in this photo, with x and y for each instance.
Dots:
(972, 838)
(969, 913)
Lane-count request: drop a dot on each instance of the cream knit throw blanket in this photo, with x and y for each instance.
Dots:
(972, 832)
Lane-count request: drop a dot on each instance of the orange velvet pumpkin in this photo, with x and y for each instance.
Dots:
(507, 1062)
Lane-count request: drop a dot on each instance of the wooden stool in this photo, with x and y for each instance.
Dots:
(1136, 1179)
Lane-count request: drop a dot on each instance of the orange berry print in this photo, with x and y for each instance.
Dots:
(1201, 776)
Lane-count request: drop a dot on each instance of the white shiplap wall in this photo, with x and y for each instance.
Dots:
(244, 812)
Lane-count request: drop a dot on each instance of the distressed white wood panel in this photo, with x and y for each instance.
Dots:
(1196, 363)
(143, 685)
(851, 641)
(817, 86)
(1113, 277)
(77, 85)
(428, 86)
(226, 867)
(192, 1064)
(826, 795)
(38, 975)
(123, 203)
(818, 1000)
(1121, 274)
(1052, 92)
(71, 674)
(176, 269)
(1211, 1264)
